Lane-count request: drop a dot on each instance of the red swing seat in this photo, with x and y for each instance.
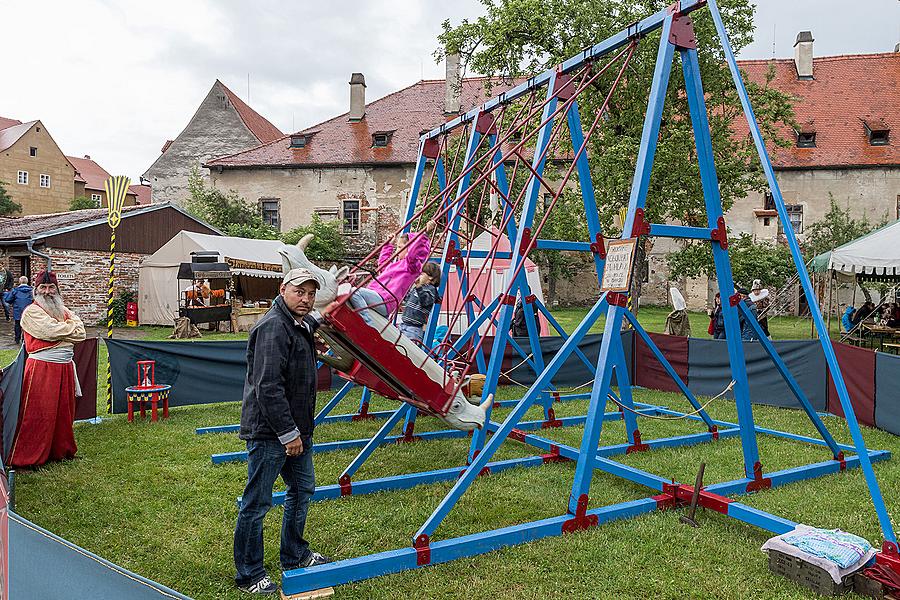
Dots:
(389, 363)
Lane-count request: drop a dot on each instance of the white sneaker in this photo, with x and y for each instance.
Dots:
(263, 587)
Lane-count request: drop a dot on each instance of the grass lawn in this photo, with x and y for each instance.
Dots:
(146, 496)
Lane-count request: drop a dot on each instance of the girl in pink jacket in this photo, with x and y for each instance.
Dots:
(396, 276)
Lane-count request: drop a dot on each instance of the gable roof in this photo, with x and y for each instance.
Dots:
(93, 175)
(845, 92)
(258, 125)
(36, 227)
(141, 192)
(12, 134)
(7, 122)
(404, 114)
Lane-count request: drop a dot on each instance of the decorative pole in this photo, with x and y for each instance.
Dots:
(116, 190)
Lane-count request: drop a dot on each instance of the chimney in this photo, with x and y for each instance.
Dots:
(803, 55)
(357, 97)
(452, 84)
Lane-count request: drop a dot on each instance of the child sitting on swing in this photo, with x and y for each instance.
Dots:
(396, 276)
(419, 302)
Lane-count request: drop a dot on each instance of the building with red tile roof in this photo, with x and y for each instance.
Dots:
(89, 180)
(223, 124)
(351, 164)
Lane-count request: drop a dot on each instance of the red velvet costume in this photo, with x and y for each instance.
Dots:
(47, 409)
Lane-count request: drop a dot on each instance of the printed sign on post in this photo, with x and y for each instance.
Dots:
(619, 262)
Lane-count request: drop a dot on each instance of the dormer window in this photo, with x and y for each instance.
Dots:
(380, 139)
(878, 132)
(806, 139)
(299, 140)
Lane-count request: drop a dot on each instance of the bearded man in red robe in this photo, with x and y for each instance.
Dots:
(47, 409)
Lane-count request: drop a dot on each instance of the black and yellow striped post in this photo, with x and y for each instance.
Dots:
(116, 191)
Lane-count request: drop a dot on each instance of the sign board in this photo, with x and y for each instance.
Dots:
(618, 267)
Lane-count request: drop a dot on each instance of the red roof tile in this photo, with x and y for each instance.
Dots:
(91, 173)
(255, 122)
(6, 122)
(142, 192)
(406, 113)
(846, 91)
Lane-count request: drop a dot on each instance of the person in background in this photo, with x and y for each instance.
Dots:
(864, 312)
(677, 322)
(50, 383)
(747, 332)
(717, 319)
(519, 326)
(419, 302)
(759, 296)
(6, 284)
(894, 315)
(20, 297)
(847, 320)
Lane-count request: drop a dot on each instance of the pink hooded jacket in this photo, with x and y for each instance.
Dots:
(395, 278)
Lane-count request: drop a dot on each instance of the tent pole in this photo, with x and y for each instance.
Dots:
(830, 299)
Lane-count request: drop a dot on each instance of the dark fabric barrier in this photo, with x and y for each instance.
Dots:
(10, 396)
(710, 371)
(199, 372)
(887, 393)
(649, 373)
(86, 368)
(43, 565)
(858, 368)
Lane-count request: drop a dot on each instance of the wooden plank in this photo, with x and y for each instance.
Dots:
(311, 595)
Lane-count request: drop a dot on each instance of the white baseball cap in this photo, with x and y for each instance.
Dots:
(298, 276)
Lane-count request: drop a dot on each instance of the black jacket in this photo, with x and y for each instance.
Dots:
(280, 389)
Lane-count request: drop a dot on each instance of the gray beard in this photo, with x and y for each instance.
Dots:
(53, 304)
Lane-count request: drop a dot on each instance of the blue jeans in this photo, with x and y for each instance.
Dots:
(364, 298)
(413, 332)
(265, 461)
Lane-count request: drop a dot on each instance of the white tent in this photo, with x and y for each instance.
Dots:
(157, 279)
(875, 254)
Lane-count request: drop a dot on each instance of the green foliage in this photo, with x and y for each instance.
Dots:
(82, 203)
(517, 37)
(227, 212)
(327, 243)
(750, 260)
(7, 206)
(119, 306)
(835, 229)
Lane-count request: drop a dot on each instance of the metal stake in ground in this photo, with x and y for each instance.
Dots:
(116, 190)
(689, 518)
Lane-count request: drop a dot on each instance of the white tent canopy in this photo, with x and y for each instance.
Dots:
(877, 253)
(157, 280)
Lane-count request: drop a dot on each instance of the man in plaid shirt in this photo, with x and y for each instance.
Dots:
(277, 419)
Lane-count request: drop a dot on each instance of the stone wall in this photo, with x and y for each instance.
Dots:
(215, 130)
(83, 278)
(303, 192)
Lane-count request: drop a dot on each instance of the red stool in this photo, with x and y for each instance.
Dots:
(147, 390)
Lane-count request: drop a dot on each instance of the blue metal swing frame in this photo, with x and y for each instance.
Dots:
(676, 35)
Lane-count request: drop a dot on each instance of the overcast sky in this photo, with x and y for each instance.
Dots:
(117, 79)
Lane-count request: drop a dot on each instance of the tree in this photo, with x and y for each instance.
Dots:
(81, 203)
(327, 243)
(767, 261)
(7, 206)
(518, 37)
(835, 229)
(227, 212)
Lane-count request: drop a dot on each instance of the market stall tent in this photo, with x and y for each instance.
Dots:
(876, 253)
(256, 262)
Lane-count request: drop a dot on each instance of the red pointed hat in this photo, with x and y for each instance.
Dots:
(46, 277)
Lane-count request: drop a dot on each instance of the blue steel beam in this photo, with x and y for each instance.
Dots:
(824, 337)
(679, 232)
(562, 245)
(335, 400)
(710, 183)
(377, 440)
